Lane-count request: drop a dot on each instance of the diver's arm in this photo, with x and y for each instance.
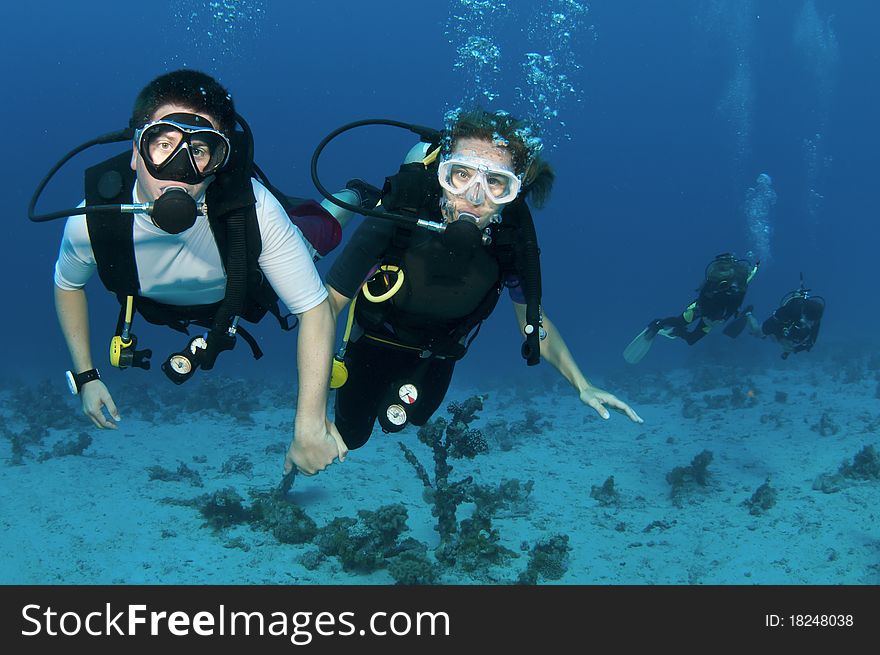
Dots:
(556, 352)
(316, 442)
(73, 317)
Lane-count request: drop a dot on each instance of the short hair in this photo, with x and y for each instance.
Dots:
(195, 90)
(518, 135)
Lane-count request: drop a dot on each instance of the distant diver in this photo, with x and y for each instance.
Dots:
(794, 324)
(719, 299)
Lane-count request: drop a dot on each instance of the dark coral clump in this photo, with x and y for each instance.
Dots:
(287, 521)
(31, 435)
(71, 447)
(238, 464)
(461, 441)
(684, 478)
(466, 411)
(412, 565)
(183, 473)
(826, 427)
(606, 495)
(865, 466)
(763, 499)
(223, 508)
(548, 560)
(475, 547)
(510, 497)
(366, 543)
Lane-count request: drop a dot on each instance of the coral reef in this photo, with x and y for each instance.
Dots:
(509, 498)
(31, 435)
(71, 447)
(461, 441)
(223, 508)
(473, 545)
(548, 560)
(412, 565)
(34, 418)
(763, 499)
(287, 521)
(690, 408)
(864, 467)
(183, 473)
(508, 435)
(312, 559)
(606, 495)
(684, 479)
(267, 512)
(375, 540)
(211, 394)
(238, 465)
(29, 403)
(449, 439)
(476, 547)
(366, 543)
(825, 427)
(227, 396)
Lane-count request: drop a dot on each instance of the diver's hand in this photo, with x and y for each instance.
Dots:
(314, 448)
(597, 399)
(95, 397)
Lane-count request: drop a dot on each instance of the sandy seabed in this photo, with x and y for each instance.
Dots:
(98, 518)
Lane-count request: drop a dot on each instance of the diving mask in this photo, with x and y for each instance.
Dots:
(478, 180)
(182, 148)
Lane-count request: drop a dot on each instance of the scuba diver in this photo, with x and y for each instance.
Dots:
(719, 298)
(424, 273)
(795, 323)
(182, 232)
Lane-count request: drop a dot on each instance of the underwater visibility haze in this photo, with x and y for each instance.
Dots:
(677, 131)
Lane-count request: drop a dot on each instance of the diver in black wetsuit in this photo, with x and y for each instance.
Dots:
(719, 299)
(418, 296)
(795, 323)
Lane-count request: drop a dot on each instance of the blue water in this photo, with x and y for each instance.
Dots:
(668, 114)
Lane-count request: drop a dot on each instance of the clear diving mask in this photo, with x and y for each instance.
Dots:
(478, 180)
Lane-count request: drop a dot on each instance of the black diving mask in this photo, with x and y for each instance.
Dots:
(182, 148)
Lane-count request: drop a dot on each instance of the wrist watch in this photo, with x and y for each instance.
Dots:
(75, 381)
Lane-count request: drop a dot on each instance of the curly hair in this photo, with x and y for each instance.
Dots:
(518, 135)
(197, 91)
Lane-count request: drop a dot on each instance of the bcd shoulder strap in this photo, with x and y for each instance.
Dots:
(528, 266)
(110, 233)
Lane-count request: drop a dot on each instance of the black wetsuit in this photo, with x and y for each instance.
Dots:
(792, 327)
(402, 340)
(711, 306)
